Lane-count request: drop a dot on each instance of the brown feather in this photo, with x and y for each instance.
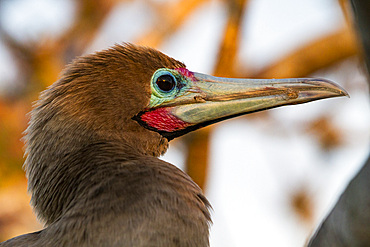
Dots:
(92, 170)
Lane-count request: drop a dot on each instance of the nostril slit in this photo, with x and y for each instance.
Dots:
(199, 98)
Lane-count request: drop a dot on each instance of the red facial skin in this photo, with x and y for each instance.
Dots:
(186, 73)
(162, 120)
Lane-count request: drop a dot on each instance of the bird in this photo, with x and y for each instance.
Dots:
(95, 135)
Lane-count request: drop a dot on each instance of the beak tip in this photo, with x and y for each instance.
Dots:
(345, 93)
(340, 91)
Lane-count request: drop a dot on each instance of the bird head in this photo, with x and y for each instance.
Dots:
(147, 98)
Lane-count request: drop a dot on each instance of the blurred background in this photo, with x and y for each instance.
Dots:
(271, 177)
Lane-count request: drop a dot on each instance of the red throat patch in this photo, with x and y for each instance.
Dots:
(162, 119)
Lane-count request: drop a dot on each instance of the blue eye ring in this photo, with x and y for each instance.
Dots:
(164, 82)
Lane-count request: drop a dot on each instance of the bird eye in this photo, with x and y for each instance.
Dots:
(166, 83)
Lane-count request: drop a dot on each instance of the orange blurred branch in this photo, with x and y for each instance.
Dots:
(319, 54)
(172, 16)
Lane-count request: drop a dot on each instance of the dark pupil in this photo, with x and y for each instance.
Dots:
(165, 83)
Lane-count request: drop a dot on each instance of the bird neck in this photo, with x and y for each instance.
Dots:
(79, 175)
(56, 164)
(62, 156)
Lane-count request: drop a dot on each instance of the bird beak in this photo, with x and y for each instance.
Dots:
(201, 100)
(208, 98)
